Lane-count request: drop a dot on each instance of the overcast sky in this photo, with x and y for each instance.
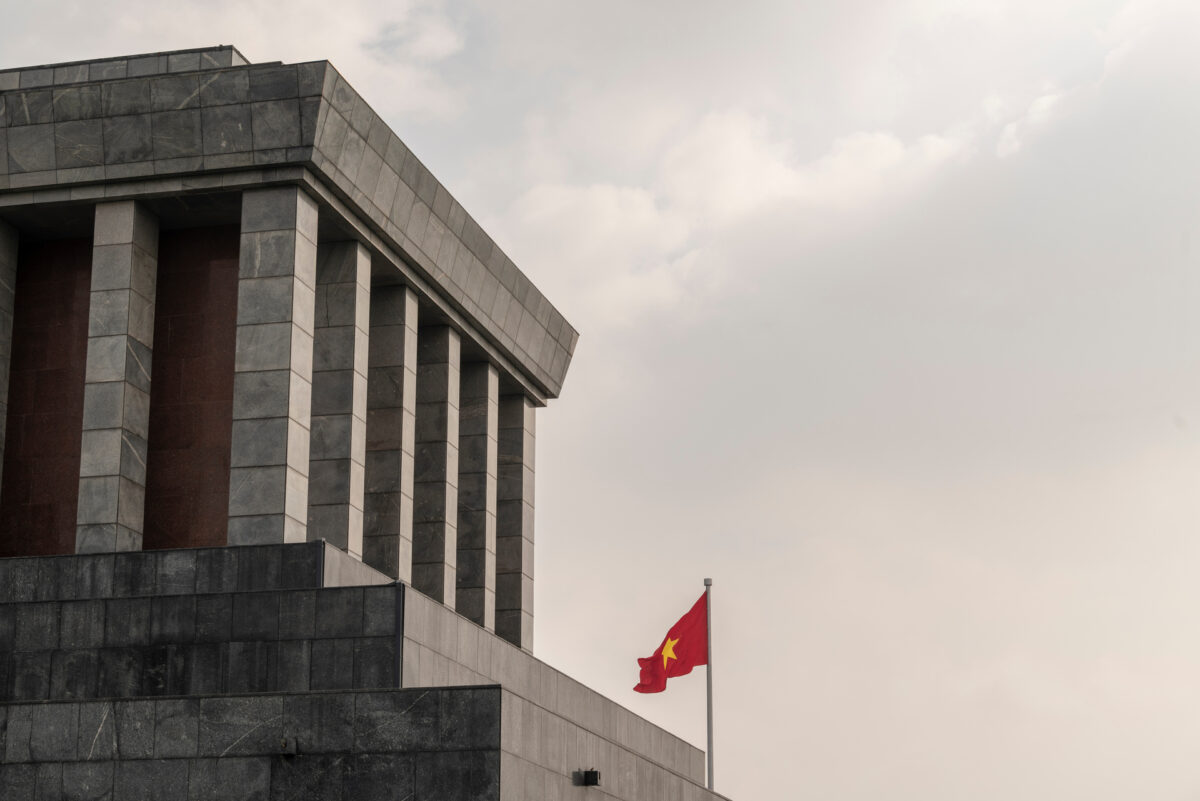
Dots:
(890, 323)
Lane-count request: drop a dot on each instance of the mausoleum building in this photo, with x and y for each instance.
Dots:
(267, 493)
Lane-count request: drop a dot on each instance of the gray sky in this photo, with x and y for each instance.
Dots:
(889, 324)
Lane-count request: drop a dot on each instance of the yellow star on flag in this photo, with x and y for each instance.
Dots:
(668, 651)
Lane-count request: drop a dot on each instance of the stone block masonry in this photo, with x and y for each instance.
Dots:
(391, 431)
(339, 402)
(356, 746)
(142, 117)
(479, 417)
(198, 644)
(435, 477)
(343, 236)
(116, 394)
(514, 522)
(247, 672)
(273, 368)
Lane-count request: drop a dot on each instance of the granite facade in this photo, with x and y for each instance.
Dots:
(339, 396)
(273, 368)
(243, 672)
(119, 123)
(435, 475)
(514, 521)
(184, 571)
(357, 746)
(116, 393)
(479, 419)
(391, 431)
(199, 644)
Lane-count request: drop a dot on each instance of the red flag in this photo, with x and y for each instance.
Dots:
(684, 647)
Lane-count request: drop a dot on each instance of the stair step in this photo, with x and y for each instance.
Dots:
(302, 565)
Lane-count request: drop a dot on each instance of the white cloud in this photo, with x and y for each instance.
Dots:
(1037, 115)
(612, 253)
(726, 166)
(615, 253)
(422, 35)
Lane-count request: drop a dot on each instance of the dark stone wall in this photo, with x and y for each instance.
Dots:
(268, 641)
(128, 675)
(360, 746)
(192, 622)
(45, 401)
(191, 399)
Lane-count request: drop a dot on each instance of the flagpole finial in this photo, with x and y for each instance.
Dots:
(708, 582)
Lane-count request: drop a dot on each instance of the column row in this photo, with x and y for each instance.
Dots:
(351, 422)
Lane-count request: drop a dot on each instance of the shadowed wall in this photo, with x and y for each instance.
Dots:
(45, 412)
(191, 398)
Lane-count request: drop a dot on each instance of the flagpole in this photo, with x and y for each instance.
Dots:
(708, 620)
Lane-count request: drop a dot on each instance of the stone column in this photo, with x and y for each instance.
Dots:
(9, 241)
(116, 391)
(435, 481)
(514, 522)
(272, 381)
(478, 430)
(339, 396)
(391, 430)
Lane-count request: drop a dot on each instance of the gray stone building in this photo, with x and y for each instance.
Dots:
(267, 488)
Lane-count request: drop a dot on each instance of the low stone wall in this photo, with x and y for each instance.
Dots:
(126, 674)
(360, 746)
(265, 641)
